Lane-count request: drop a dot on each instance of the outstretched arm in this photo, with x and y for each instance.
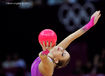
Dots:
(94, 19)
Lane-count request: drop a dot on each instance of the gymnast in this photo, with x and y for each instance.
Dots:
(55, 56)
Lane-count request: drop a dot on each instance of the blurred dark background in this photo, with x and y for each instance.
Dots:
(25, 19)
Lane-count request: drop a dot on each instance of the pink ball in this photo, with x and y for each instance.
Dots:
(47, 35)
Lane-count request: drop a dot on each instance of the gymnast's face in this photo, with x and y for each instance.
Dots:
(59, 54)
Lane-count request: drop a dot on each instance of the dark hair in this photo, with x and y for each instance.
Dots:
(62, 63)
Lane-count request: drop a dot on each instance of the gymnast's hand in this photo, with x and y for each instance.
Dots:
(47, 46)
(97, 15)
